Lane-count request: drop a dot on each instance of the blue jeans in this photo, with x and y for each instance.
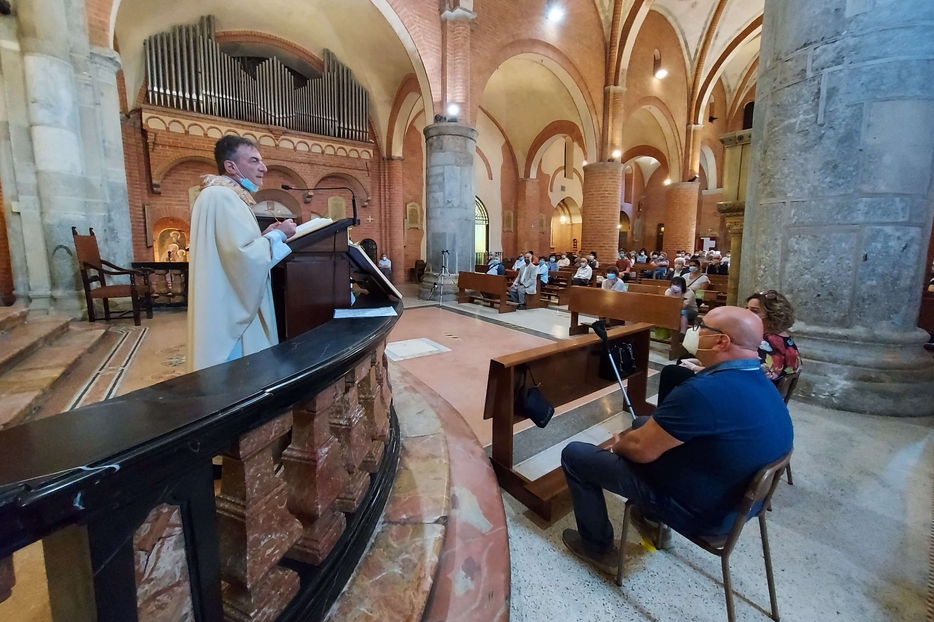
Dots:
(660, 273)
(590, 470)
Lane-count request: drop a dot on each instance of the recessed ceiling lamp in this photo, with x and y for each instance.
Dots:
(555, 14)
(667, 182)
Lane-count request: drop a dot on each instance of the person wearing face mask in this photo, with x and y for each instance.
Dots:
(230, 307)
(641, 257)
(542, 270)
(525, 283)
(496, 267)
(584, 273)
(592, 260)
(613, 282)
(696, 280)
(778, 352)
(552, 264)
(520, 262)
(564, 262)
(678, 289)
(623, 264)
(680, 269)
(687, 466)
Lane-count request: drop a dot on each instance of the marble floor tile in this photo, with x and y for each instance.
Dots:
(413, 348)
(421, 492)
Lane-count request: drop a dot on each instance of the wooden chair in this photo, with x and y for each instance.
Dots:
(786, 387)
(758, 497)
(93, 271)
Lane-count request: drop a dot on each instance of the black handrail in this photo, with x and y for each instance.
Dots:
(68, 468)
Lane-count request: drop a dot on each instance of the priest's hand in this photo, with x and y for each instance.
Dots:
(286, 226)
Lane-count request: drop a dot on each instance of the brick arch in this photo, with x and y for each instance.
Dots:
(702, 94)
(659, 109)
(291, 172)
(644, 150)
(578, 86)
(406, 100)
(159, 174)
(555, 128)
(486, 163)
(352, 182)
(255, 36)
(629, 32)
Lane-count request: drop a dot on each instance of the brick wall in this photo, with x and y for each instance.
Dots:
(603, 188)
(680, 216)
(509, 192)
(527, 211)
(413, 190)
(653, 207)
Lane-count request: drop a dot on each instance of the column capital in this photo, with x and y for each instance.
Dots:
(450, 129)
(614, 88)
(457, 10)
(106, 58)
(603, 166)
(731, 139)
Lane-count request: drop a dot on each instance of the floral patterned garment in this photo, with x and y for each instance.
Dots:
(779, 356)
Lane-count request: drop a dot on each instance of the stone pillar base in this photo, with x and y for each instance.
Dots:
(428, 291)
(875, 373)
(264, 602)
(319, 538)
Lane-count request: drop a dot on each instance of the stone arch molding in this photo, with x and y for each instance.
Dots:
(657, 108)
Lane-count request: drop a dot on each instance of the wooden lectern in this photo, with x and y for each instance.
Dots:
(316, 279)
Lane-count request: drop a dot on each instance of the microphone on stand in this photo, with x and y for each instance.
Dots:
(353, 196)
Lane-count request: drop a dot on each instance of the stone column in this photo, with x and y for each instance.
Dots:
(737, 158)
(733, 213)
(396, 218)
(692, 151)
(614, 98)
(603, 189)
(527, 210)
(450, 203)
(840, 206)
(681, 216)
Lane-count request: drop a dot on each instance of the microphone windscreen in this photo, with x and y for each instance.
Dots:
(286, 187)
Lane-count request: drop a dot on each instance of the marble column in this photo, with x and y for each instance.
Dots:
(603, 188)
(839, 210)
(450, 204)
(681, 216)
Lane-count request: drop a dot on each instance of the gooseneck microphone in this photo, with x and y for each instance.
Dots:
(353, 196)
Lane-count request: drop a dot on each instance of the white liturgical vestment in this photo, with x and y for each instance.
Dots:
(230, 309)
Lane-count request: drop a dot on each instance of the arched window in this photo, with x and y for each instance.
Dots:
(482, 232)
(748, 112)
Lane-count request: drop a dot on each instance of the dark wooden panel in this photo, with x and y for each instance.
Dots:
(652, 309)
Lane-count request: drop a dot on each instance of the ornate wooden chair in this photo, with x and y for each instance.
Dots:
(93, 271)
(757, 499)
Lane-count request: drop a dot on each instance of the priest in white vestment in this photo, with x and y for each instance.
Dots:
(230, 309)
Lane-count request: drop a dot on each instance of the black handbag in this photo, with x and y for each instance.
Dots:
(531, 403)
(622, 357)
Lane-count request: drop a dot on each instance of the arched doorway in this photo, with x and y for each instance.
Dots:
(369, 247)
(482, 232)
(566, 222)
(624, 229)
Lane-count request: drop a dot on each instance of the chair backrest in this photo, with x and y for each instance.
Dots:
(758, 495)
(786, 385)
(86, 249)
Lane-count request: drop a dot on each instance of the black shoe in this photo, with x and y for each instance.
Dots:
(606, 562)
(522, 307)
(658, 533)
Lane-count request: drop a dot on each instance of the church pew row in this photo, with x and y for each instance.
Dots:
(564, 371)
(494, 286)
(660, 311)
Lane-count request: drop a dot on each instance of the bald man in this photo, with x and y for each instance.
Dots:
(688, 465)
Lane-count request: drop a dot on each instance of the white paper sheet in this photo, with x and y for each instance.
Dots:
(342, 314)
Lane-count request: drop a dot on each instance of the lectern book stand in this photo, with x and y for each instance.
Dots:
(309, 284)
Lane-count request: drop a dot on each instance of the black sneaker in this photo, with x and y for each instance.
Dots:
(606, 562)
(658, 533)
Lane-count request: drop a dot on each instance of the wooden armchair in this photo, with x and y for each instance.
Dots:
(93, 271)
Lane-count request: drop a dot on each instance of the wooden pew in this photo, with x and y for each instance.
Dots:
(649, 287)
(661, 311)
(566, 371)
(494, 285)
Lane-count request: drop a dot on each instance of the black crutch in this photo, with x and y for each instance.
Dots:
(599, 329)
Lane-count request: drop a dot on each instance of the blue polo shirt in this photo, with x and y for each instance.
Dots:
(732, 421)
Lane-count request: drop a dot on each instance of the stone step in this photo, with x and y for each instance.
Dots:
(25, 387)
(11, 317)
(23, 340)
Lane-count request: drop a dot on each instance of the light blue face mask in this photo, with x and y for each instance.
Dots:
(248, 185)
(612, 277)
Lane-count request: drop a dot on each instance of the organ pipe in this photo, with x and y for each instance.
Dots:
(187, 70)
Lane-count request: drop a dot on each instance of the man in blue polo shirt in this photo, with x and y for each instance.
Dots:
(688, 464)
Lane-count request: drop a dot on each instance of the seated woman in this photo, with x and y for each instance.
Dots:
(696, 280)
(679, 289)
(778, 352)
(612, 281)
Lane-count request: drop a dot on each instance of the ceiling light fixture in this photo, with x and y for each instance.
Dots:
(585, 162)
(563, 220)
(555, 14)
(453, 110)
(661, 72)
(617, 154)
(667, 182)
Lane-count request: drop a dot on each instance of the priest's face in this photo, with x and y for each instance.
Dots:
(249, 163)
